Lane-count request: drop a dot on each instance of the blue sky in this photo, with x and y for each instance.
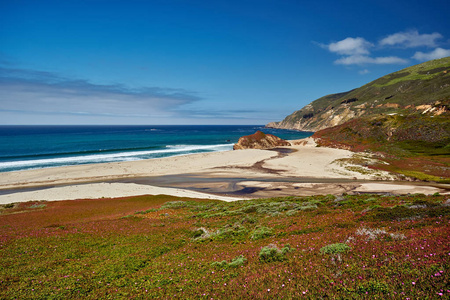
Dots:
(201, 62)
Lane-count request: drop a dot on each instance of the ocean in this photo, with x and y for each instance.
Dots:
(35, 147)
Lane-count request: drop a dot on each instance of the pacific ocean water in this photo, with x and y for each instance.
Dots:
(34, 147)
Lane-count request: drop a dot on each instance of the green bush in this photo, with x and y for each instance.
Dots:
(291, 212)
(220, 264)
(201, 234)
(335, 248)
(272, 253)
(175, 204)
(286, 249)
(198, 233)
(261, 233)
(9, 205)
(146, 211)
(38, 205)
(249, 219)
(373, 287)
(235, 262)
(235, 231)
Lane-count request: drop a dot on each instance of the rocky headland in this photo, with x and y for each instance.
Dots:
(260, 140)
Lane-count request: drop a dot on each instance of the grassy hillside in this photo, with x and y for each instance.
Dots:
(420, 88)
(322, 247)
(415, 145)
(403, 117)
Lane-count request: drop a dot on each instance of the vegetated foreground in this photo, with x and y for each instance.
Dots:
(344, 247)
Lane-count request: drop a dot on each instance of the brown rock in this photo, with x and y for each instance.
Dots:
(260, 140)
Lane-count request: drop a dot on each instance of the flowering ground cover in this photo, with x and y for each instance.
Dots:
(321, 247)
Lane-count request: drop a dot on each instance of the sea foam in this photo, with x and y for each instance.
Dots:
(170, 150)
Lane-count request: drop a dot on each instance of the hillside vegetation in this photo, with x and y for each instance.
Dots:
(162, 247)
(402, 118)
(416, 146)
(423, 88)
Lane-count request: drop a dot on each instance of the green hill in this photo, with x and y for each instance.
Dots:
(403, 119)
(416, 145)
(423, 88)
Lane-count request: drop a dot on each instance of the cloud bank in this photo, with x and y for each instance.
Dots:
(435, 54)
(350, 46)
(44, 93)
(358, 51)
(362, 60)
(36, 97)
(411, 39)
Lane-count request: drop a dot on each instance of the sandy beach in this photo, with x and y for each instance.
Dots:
(302, 169)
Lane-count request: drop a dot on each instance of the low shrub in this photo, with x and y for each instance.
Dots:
(9, 205)
(146, 211)
(372, 287)
(175, 204)
(235, 231)
(38, 205)
(271, 253)
(234, 263)
(249, 219)
(201, 234)
(286, 249)
(261, 233)
(335, 248)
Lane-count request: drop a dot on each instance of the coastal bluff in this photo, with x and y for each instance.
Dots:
(260, 140)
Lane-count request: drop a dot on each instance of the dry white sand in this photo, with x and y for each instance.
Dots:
(319, 162)
(106, 190)
(398, 188)
(87, 181)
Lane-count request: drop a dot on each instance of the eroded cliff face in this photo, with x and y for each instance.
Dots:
(260, 140)
(423, 89)
(307, 119)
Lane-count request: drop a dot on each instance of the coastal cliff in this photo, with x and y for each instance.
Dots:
(422, 89)
(402, 119)
(260, 140)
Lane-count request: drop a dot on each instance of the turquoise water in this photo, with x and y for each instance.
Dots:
(34, 147)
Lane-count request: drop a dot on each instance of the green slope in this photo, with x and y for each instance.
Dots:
(423, 87)
(415, 145)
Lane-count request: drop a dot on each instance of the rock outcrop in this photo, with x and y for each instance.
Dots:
(260, 140)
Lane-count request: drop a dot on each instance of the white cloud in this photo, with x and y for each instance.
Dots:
(389, 60)
(435, 54)
(350, 46)
(411, 39)
(357, 51)
(364, 72)
(363, 59)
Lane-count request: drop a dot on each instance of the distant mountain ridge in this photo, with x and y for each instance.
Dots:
(423, 89)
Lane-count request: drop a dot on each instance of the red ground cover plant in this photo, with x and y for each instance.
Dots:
(166, 247)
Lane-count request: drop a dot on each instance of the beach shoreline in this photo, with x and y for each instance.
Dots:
(241, 174)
